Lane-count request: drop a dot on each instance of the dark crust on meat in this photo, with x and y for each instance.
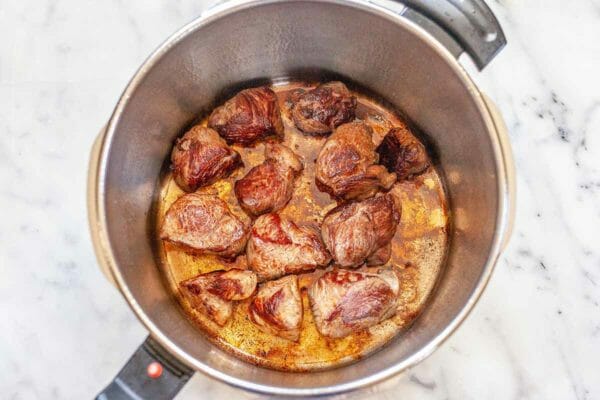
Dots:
(359, 307)
(274, 235)
(359, 183)
(193, 291)
(266, 308)
(191, 286)
(347, 166)
(225, 288)
(217, 283)
(279, 247)
(342, 276)
(249, 116)
(269, 186)
(381, 255)
(264, 178)
(371, 302)
(401, 152)
(213, 293)
(322, 109)
(200, 158)
(383, 216)
(190, 213)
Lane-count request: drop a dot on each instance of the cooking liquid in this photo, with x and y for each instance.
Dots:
(418, 252)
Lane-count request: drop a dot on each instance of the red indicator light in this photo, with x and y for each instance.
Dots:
(154, 370)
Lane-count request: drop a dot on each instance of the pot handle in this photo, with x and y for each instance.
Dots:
(150, 373)
(98, 238)
(470, 23)
(509, 167)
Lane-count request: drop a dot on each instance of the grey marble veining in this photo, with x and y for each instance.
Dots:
(65, 331)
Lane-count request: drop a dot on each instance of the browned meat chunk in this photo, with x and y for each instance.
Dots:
(401, 152)
(381, 255)
(249, 116)
(277, 247)
(359, 231)
(346, 166)
(269, 186)
(203, 224)
(277, 308)
(321, 110)
(201, 157)
(344, 302)
(212, 293)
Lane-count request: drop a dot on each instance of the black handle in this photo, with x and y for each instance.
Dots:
(150, 373)
(470, 23)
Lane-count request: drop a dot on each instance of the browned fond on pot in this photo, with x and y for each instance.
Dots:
(418, 251)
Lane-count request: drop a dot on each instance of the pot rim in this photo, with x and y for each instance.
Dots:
(100, 222)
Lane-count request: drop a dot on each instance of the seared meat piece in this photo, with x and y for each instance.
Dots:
(344, 302)
(250, 115)
(359, 231)
(381, 255)
(321, 110)
(201, 157)
(277, 308)
(346, 166)
(401, 152)
(277, 247)
(269, 186)
(203, 224)
(212, 293)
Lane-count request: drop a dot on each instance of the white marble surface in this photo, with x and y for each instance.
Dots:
(65, 331)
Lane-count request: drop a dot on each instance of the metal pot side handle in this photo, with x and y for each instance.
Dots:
(509, 167)
(151, 373)
(470, 23)
(98, 236)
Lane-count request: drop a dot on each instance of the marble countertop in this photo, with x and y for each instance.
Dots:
(66, 331)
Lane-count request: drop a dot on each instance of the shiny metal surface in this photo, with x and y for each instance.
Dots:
(239, 43)
(470, 22)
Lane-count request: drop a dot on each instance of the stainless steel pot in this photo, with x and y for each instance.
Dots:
(408, 57)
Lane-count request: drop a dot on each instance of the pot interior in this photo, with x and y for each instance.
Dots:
(260, 42)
